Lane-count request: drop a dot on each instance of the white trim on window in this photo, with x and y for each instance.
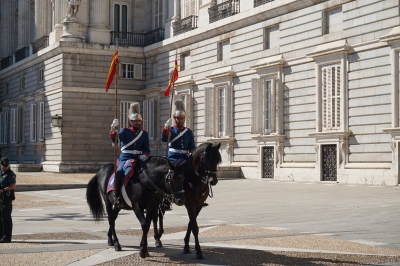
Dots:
(5, 127)
(331, 97)
(41, 75)
(13, 125)
(33, 123)
(158, 14)
(149, 123)
(126, 71)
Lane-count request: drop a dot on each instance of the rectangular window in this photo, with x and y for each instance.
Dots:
(41, 121)
(41, 75)
(13, 125)
(121, 18)
(268, 107)
(271, 37)
(158, 9)
(333, 20)
(124, 113)
(22, 83)
(33, 124)
(224, 50)
(20, 125)
(185, 61)
(149, 117)
(5, 127)
(331, 98)
(221, 111)
(127, 71)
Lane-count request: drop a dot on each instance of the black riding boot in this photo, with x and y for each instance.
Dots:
(118, 204)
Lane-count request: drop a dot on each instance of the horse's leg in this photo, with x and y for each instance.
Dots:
(186, 248)
(195, 231)
(145, 230)
(112, 235)
(139, 214)
(157, 233)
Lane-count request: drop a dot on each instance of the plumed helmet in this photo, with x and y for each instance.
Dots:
(134, 112)
(4, 161)
(179, 108)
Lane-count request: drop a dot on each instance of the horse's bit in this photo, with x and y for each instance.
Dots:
(204, 179)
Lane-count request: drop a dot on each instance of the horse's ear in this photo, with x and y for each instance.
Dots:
(218, 145)
(209, 146)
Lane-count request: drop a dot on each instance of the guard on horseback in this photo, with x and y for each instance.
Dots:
(135, 145)
(181, 143)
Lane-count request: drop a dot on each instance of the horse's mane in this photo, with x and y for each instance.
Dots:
(213, 156)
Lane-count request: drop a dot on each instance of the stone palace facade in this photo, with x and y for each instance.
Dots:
(295, 90)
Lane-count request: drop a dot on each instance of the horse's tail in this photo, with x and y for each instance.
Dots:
(94, 199)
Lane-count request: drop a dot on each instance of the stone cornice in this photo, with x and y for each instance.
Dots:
(272, 61)
(183, 81)
(392, 36)
(224, 72)
(325, 49)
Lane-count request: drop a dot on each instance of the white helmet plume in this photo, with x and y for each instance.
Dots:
(134, 112)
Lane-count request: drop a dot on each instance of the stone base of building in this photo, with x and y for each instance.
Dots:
(60, 167)
(26, 167)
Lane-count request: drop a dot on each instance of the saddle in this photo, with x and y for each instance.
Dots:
(131, 177)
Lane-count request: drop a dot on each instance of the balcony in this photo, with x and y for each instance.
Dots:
(40, 44)
(223, 10)
(137, 39)
(261, 2)
(21, 54)
(6, 62)
(185, 24)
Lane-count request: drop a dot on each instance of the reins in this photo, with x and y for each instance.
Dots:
(167, 179)
(203, 178)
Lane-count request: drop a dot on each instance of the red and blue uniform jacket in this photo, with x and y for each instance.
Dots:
(180, 148)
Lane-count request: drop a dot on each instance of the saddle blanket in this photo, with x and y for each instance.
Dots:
(110, 186)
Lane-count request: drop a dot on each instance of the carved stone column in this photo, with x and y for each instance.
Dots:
(60, 11)
(43, 16)
(99, 30)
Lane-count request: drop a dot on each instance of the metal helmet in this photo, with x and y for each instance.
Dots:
(4, 162)
(179, 108)
(134, 112)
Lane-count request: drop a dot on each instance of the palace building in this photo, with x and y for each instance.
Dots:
(295, 90)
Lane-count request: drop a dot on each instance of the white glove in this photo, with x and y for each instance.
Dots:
(115, 123)
(168, 123)
(143, 157)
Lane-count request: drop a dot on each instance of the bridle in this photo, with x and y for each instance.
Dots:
(167, 181)
(205, 179)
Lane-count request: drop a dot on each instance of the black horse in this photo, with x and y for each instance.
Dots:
(157, 178)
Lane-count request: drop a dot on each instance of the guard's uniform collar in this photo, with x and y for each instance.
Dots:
(180, 128)
(134, 130)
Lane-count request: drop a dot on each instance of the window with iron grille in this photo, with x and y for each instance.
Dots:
(331, 98)
(127, 71)
(124, 113)
(33, 123)
(333, 20)
(158, 14)
(149, 122)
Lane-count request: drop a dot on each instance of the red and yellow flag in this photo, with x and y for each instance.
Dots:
(113, 69)
(172, 79)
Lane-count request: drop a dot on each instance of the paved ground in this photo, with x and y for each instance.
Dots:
(248, 222)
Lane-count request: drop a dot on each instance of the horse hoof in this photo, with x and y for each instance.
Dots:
(158, 244)
(186, 250)
(110, 242)
(199, 256)
(144, 254)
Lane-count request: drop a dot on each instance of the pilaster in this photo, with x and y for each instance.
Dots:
(23, 23)
(99, 30)
(43, 16)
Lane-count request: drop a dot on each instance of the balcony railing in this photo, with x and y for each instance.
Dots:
(261, 2)
(21, 54)
(136, 39)
(6, 62)
(223, 10)
(40, 44)
(185, 24)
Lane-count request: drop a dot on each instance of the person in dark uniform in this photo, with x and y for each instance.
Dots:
(135, 145)
(7, 186)
(181, 143)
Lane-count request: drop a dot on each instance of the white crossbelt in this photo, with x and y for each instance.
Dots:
(132, 152)
(178, 151)
(133, 141)
(177, 137)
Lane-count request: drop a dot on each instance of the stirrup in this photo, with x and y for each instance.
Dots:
(118, 204)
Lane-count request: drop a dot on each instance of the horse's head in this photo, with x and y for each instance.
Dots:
(174, 182)
(209, 160)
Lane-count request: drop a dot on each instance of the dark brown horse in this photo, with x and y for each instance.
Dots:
(200, 175)
(159, 179)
